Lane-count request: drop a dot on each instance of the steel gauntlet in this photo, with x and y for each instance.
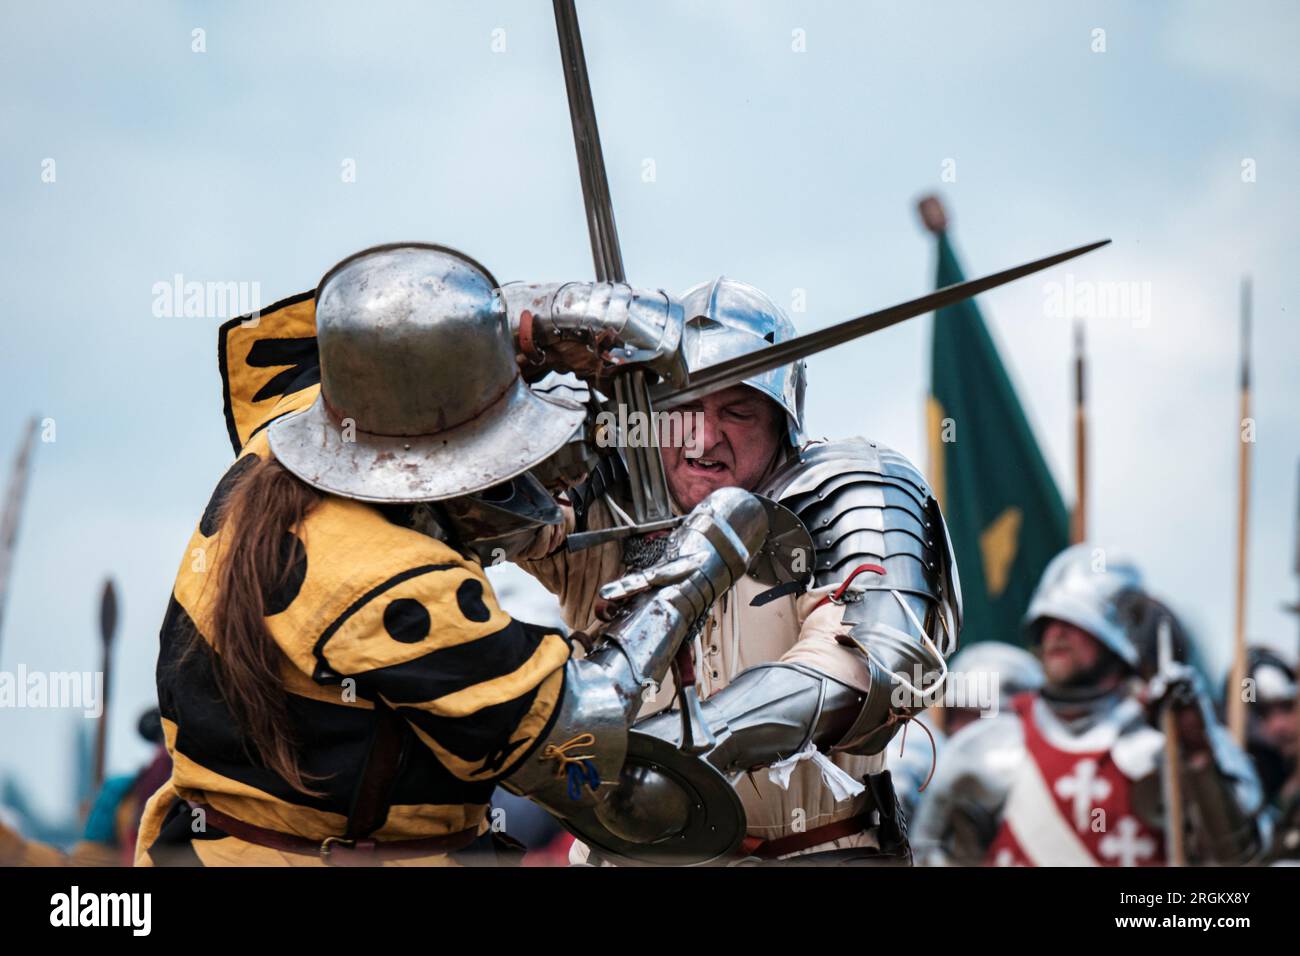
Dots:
(628, 326)
(604, 691)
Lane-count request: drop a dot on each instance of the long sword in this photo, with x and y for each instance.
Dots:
(732, 371)
(645, 465)
(651, 505)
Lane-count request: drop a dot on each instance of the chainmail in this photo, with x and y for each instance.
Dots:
(642, 551)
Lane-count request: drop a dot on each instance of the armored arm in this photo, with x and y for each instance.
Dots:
(881, 542)
(578, 759)
(627, 326)
(769, 712)
(866, 507)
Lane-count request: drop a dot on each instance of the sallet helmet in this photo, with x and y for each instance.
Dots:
(726, 318)
(1089, 588)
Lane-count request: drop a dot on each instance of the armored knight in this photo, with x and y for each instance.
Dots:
(1271, 723)
(1073, 774)
(803, 680)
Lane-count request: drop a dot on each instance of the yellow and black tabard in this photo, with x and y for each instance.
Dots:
(371, 611)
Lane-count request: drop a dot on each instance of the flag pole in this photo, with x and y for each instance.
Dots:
(1079, 520)
(1237, 701)
(1295, 609)
(935, 219)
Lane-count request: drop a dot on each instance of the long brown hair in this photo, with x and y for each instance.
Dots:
(265, 502)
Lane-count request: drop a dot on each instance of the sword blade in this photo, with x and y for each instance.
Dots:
(646, 477)
(737, 369)
(605, 250)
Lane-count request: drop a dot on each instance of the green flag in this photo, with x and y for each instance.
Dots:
(1004, 511)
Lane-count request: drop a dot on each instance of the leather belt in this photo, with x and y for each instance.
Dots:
(781, 846)
(337, 850)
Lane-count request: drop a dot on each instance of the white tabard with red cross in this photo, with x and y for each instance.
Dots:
(1070, 808)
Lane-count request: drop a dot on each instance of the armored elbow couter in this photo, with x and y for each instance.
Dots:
(629, 326)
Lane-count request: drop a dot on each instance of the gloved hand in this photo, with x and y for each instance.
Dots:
(595, 329)
(658, 606)
(1178, 686)
(705, 554)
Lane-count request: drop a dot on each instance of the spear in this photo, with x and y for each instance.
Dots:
(1237, 701)
(107, 631)
(1295, 609)
(1079, 520)
(13, 508)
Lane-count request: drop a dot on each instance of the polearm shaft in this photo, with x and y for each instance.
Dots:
(13, 510)
(1237, 702)
(1172, 784)
(1079, 520)
(1295, 609)
(649, 485)
(107, 631)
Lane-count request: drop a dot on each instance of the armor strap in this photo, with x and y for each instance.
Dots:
(371, 799)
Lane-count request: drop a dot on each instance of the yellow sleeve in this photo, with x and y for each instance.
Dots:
(478, 687)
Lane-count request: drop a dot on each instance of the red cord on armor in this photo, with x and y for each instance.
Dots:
(837, 596)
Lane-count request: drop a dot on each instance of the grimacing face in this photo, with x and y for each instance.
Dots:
(730, 439)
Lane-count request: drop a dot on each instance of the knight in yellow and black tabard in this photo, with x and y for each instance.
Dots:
(336, 680)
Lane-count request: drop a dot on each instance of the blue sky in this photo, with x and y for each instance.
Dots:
(795, 171)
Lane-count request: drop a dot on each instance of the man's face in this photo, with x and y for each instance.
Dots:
(732, 438)
(1277, 725)
(1069, 653)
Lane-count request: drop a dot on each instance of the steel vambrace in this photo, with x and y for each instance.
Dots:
(769, 712)
(579, 759)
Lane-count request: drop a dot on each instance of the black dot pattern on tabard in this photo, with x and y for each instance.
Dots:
(407, 620)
